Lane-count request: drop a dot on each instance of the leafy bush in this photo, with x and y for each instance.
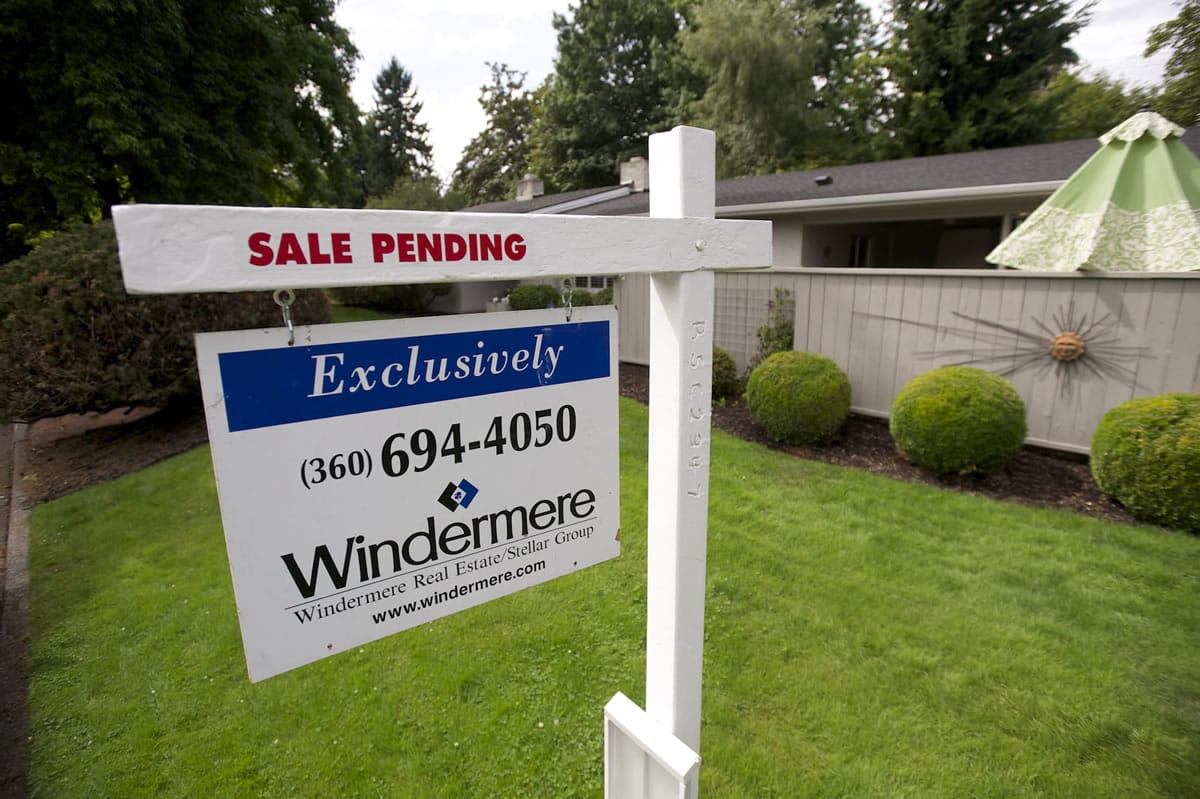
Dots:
(959, 420)
(1146, 455)
(533, 297)
(410, 299)
(725, 381)
(778, 334)
(604, 296)
(582, 297)
(72, 340)
(799, 397)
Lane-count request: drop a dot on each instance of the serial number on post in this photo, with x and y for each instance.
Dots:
(420, 450)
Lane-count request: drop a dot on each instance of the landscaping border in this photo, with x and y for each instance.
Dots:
(14, 610)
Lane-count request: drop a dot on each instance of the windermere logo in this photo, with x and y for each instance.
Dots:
(458, 495)
(361, 561)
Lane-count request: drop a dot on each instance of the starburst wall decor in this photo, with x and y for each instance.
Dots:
(1068, 347)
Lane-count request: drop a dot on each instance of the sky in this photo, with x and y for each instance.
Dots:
(446, 46)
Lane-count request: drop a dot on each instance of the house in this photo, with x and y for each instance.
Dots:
(883, 266)
(942, 211)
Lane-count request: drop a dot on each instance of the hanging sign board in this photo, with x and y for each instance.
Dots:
(379, 475)
(193, 248)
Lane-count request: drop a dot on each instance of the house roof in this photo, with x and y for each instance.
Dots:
(543, 202)
(1032, 169)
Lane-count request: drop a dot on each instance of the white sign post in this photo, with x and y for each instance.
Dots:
(174, 249)
(682, 185)
(681, 345)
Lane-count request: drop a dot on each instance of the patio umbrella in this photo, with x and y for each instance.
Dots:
(1134, 206)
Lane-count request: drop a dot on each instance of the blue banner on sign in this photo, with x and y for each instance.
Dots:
(283, 385)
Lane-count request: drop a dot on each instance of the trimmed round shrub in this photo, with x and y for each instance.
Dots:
(72, 340)
(604, 296)
(958, 420)
(534, 297)
(799, 397)
(725, 382)
(1146, 455)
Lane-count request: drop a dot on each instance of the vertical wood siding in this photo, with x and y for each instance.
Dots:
(884, 327)
(631, 295)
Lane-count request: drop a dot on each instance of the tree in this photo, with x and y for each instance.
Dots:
(498, 156)
(966, 72)
(613, 85)
(783, 81)
(396, 147)
(850, 84)
(1180, 99)
(168, 101)
(422, 193)
(759, 59)
(1080, 107)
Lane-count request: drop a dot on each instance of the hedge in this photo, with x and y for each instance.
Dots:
(958, 420)
(72, 340)
(1145, 454)
(799, 397)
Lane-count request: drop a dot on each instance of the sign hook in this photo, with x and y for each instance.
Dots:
(284, 299)
(567, 291)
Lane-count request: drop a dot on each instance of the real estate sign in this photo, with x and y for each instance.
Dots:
(379, 475)
(189, 248)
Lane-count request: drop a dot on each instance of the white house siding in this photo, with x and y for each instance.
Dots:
(631, 295)
(471, 297)
(787, 243)
(885, 326)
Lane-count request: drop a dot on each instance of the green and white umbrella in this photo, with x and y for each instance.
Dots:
(1134, 206)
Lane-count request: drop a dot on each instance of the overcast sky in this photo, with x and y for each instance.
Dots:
(446, 46)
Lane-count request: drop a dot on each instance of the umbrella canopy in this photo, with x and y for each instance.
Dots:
(1134, 206)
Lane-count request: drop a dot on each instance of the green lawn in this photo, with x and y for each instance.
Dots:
(865, 638)
(350, 313)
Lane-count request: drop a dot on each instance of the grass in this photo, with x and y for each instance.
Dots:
(865, 638)
(350, 313)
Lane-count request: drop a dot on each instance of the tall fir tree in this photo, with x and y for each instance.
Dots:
(493, 161)
(395, 142)
(966, 72)
(612, 86)
(850, 85)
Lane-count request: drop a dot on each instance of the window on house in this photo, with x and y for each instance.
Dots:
(594, 282)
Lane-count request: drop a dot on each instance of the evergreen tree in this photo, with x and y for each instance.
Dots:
(395, 142)
(612, 86)
(168, 101)
(851, 85)
(493, 161)
(966, 72)
(1180, 100)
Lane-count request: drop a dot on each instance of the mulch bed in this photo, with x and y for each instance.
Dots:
(71, 453)
(1040, 478)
